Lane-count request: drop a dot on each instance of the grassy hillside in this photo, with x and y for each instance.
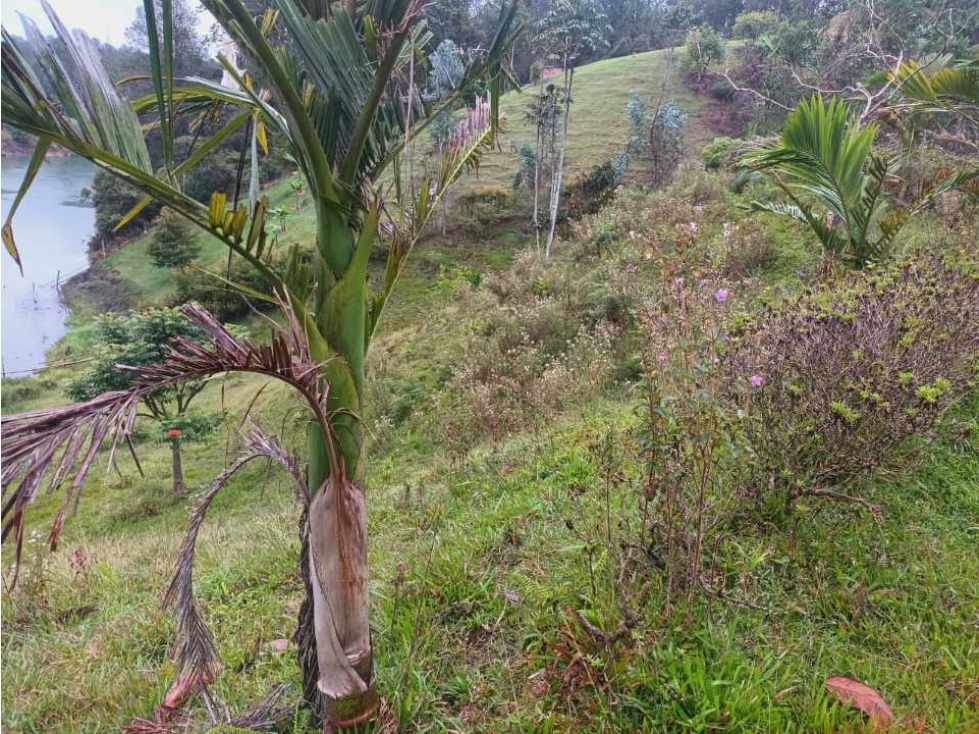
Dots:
(598, 131)
(505, 481)
(598, 124)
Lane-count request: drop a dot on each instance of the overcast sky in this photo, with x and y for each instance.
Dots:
(103, 19)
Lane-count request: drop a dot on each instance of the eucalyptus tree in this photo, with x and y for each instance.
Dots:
(569, 31)
(338, 86)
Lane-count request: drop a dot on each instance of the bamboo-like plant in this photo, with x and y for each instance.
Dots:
(824, 164)
(341, 91)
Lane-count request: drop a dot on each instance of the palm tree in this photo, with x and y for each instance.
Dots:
(340, 89)
(824, 164)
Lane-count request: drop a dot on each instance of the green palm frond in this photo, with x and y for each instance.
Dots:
(828, 235)
(823, 160)
(940, 86)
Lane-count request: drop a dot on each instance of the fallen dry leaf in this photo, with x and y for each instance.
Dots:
(863, 698)
(280, 645)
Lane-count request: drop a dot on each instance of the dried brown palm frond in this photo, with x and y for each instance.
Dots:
(197, 657)
(267, 715)
(59, 444)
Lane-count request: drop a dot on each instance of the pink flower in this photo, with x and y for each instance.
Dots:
(661, 358)
(678, 281)
(721, 295)
(757, 380)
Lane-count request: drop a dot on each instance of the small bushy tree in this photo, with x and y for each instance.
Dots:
(705, 47)
(656, 136)
(754, 24)
(141, 339)
(174, 243)
(113, 198)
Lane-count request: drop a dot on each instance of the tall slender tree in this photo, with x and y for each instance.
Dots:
(338, 87)
(570, 30)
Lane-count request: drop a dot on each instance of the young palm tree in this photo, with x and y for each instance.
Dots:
(824, 165)
(340, 89)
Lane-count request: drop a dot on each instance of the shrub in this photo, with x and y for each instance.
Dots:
(17, 390)
(691, 436)
(722, 89)
(718, 152)
(751, 248)
(223, 301)
(487, 203)
(845, 375)
(174, 243)
(538, 345)
(217, 172)
(112, 199)
(704, 47)
(754, 24)
(591, 191)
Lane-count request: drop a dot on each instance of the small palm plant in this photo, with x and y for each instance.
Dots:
(340, 88)
(824, 164)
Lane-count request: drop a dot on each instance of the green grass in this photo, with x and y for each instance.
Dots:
(599, 127)
(481, 555)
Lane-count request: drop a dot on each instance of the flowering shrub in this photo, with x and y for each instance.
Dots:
(835, 383)
(691, 438)
(524, 362)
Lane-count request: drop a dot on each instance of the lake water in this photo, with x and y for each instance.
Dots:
(51, 231)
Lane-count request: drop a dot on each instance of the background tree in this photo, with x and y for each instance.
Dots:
(705, 47)
(570, 30)
(174, 243)
(656, 137)
(141, 339)
(544, 112)
(113, 198)
(190, 55)
(343, 95)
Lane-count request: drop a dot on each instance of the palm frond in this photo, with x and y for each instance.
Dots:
(941, 86)
(828, 235)
(196, 652)
(473, 137)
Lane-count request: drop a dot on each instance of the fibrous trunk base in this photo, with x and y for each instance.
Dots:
(333, 636)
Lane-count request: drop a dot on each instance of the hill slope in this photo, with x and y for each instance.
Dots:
(598, 124)
(505, 475)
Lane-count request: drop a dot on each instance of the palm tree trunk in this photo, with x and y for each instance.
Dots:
(338, 678)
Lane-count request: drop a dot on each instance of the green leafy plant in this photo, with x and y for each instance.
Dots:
(705, 47)
(718, 152)
(173, 244)
(340, 94)
(942, 86)
(824, 164)
(141, 339)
